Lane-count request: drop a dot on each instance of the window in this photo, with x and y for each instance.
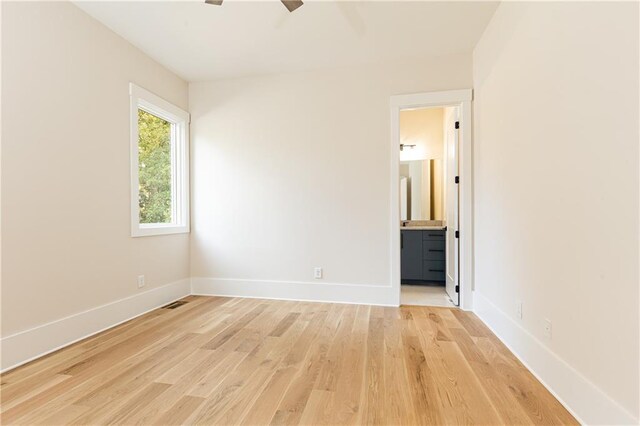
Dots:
(159, 165)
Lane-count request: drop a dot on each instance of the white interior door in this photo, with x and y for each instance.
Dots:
(452, 201)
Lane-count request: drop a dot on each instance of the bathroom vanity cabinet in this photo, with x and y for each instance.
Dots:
(422, 255)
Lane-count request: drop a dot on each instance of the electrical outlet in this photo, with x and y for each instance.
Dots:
(547, 329)
(140, 281)
(519, 309)
(317, 273)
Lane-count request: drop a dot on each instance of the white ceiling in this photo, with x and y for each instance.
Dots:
(204, 42)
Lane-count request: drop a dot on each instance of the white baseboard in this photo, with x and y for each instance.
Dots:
(24, 346)
(586, 402)
(295, 290)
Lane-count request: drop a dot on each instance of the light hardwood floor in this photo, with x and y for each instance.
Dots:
(248, 361)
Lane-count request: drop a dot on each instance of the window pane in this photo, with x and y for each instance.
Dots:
(154, 168)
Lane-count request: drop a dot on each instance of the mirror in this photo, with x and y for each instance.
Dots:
(421, 190)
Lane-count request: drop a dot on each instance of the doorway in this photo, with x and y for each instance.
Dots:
(431, 188)
(428, 206)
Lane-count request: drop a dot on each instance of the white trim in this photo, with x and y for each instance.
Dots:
(434, 99)
(27, 345)
(360, 294)
(462, 99)
(584, 400)
(147, 101)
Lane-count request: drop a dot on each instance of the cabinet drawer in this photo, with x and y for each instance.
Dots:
(433, 235)
(433, 270)
(433, 249)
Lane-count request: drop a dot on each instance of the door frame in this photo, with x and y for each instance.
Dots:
(450, 98)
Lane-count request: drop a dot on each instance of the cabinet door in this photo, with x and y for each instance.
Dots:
(411, 255)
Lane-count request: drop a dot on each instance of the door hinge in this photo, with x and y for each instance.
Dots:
(457, 234)
(457, 126)
(457, 289)
(457, 179)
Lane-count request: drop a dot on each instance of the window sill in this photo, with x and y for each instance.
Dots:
(152, 230)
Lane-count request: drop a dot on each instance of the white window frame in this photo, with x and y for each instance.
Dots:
(153, 104)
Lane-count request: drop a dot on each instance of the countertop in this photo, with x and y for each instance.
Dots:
(422, 228)
(424, 225)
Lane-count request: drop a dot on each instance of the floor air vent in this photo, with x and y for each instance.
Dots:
(175, 304)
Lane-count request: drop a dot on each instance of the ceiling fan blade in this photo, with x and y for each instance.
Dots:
(216, 2)
(292, 5)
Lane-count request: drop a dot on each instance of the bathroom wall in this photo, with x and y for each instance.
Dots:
(421, 127)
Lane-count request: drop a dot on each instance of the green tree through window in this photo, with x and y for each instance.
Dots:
(154, 168)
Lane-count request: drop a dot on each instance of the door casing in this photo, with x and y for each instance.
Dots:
(462, 99)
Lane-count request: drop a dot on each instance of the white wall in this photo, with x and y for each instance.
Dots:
(275, 192)
(556, 196)
(66, 241)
